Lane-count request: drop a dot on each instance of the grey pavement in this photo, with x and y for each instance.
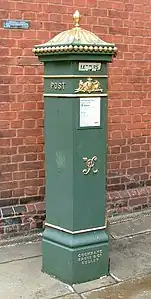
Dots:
(130, 268)
(19, 252)
(131, 257)
(131, 227)
(134, 289)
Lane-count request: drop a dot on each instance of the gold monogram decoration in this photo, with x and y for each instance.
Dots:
(90, 164)
(89, 86)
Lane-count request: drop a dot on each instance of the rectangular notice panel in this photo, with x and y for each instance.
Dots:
(90, 112)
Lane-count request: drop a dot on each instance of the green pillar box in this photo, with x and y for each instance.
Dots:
(75, 241)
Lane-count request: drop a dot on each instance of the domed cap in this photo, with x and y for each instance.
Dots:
(75, 40)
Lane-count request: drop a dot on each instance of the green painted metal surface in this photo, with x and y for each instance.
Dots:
(75, 259)
(75, 201)
(75, 240)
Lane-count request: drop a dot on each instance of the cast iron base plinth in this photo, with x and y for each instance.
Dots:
(75, 258)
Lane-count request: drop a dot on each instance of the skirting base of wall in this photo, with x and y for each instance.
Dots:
(28, 214)
(24, 218)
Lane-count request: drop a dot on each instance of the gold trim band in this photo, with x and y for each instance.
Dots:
(73, 76)
(69, 48)
(76, 231)
(77, 95)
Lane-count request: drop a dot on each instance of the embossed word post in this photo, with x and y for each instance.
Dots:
(75, 242)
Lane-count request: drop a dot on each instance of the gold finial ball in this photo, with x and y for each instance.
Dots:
(86, 48)
(81, 48)
(110, 49)
(115, 49)
(76, 18)
(76, 48)
(70, 47)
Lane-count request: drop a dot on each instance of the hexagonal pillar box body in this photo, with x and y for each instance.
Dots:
(75, 241)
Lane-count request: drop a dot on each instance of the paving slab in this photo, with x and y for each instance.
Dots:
(134, 289)
(20, 251)
(21, 276)
(131, 227)
(130, 257)
(23, 279)
(95, 284)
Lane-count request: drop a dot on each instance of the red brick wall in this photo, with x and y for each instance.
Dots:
(125, 22)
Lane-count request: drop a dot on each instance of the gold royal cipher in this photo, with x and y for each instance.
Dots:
(89, 86)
